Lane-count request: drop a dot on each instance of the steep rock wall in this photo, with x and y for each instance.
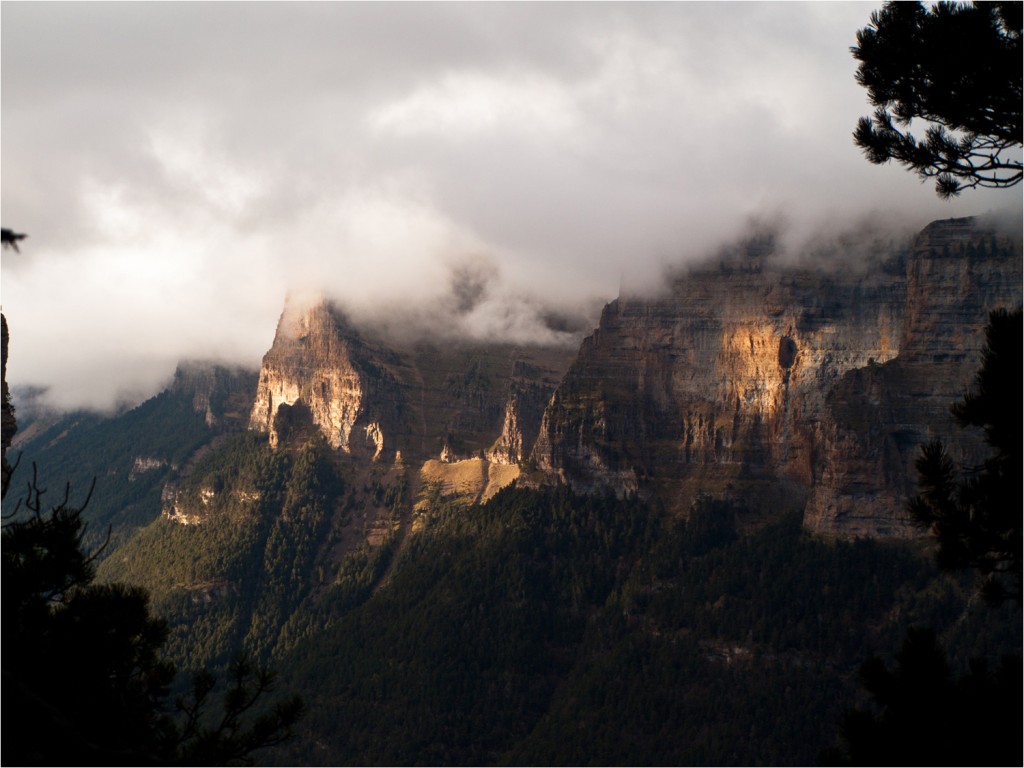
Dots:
(377, 397)
(722, 378)
(218, 392)
(877, 418)
(749, 374)
(529, 390)
(319, 363)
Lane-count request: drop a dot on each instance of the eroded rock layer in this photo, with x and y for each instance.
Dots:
(749, 375)
(378, 399)
(803, 383)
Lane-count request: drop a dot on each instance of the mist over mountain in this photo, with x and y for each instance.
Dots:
(179, 168)
(471, 551)
(525, 383)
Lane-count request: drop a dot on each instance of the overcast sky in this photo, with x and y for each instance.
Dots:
(180, 166)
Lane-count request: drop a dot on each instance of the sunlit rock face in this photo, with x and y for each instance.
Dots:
(748, 374)
(376, 397)
(722, 376)
(319, 363)
(529, 390)
(808, 384)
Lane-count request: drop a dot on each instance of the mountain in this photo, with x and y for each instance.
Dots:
(755, 379)
(674, 544)
(131, 458)
(765, 382)
(297, 501)
(461, 412)
(750, 378)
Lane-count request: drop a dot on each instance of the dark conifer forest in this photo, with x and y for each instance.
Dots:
(539, 627)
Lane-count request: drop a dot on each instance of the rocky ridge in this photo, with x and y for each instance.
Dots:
(750, 378)
(417, 402)
(221, 394)
(878, 417)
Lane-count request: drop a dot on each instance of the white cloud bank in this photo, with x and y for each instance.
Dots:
(180, 166)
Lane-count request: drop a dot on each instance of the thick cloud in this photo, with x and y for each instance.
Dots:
(180, 166)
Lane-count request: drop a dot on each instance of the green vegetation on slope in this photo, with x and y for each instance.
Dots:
(548, 628)
(235, 578)
(459, 655)
(79, 448)
(540, 627)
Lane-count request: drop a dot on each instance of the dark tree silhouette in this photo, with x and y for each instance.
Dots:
(231, 734)
(84, 680)
(922, 716)
(10, 238)
(8, 424)
(956, 70)
(976, 515)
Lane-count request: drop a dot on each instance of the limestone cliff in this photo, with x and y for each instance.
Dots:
(810, 381)
(748, 374)
(877, 418)
(528, 394)
(322, 368)
(380, 398)
(720, 379)
(219, 393)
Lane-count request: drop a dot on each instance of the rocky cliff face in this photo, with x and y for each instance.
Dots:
(317, 366)
(749, 375)
(878, 417)
(529, 390)
(811, 382)
(320, 369)
(380, 399)
(721, 379)
(218, 393)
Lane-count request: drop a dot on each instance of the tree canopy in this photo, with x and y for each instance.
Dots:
(976, 516)
(84, 668)
(923, 715)
(954, 70)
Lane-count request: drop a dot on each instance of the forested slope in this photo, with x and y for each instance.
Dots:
(544, 628)
(540, 627)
